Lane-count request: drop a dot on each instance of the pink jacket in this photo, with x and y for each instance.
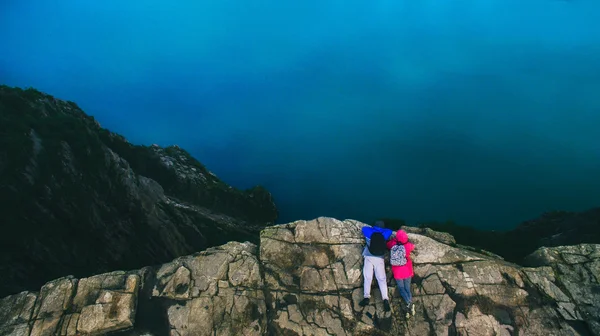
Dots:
(405, 271)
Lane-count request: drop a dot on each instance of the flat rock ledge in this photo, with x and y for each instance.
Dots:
(306, 279)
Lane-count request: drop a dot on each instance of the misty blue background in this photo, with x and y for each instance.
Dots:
(484, 112)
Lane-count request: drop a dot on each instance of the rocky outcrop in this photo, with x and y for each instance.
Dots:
(306, 279)
(219, 290)
(572, 280)
(78, 199)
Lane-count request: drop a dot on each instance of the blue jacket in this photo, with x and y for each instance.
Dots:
(367, 231)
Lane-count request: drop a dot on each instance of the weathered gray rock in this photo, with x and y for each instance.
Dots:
(316, 257)
(457, 291)
(306, 279)
(219, 291)
(442, 237)
(114, 305)
(474, 322)
(16, 312)
(573, 280)
(66, 306)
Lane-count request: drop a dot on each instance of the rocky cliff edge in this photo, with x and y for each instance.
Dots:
(306, 279)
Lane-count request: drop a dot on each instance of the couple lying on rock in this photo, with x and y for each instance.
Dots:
(379, 241)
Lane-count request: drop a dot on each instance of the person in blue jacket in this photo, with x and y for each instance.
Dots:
(374, 252)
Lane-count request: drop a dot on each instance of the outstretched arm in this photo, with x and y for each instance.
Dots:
(367, 231)
(387, 233)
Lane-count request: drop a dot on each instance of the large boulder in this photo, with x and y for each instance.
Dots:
(67, 306)
(306, 279)
(217, 292)
(313, 276)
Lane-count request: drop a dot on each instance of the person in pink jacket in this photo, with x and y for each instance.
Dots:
(402, 267)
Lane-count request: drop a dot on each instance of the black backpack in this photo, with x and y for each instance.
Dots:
(377, 245)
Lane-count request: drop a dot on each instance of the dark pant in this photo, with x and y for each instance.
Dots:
(404, 288)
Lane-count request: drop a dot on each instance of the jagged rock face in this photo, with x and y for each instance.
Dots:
(78, 199)
(306, 279)
(572, 279)
(99, 304)
(218, 291)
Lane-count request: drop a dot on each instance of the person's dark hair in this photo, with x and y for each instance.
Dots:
(379, 223)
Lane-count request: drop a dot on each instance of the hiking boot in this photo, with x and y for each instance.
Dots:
(386, 305)
(411, 308)
(364, 302)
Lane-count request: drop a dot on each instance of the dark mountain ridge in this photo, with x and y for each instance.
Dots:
(551, 229)
(79, 199)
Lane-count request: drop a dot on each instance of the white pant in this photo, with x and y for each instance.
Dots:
(377, 265)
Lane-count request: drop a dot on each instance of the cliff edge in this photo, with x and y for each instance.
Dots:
(305, 278)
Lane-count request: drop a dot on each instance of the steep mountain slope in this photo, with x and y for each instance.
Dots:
(306, 279)
(78, 199)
